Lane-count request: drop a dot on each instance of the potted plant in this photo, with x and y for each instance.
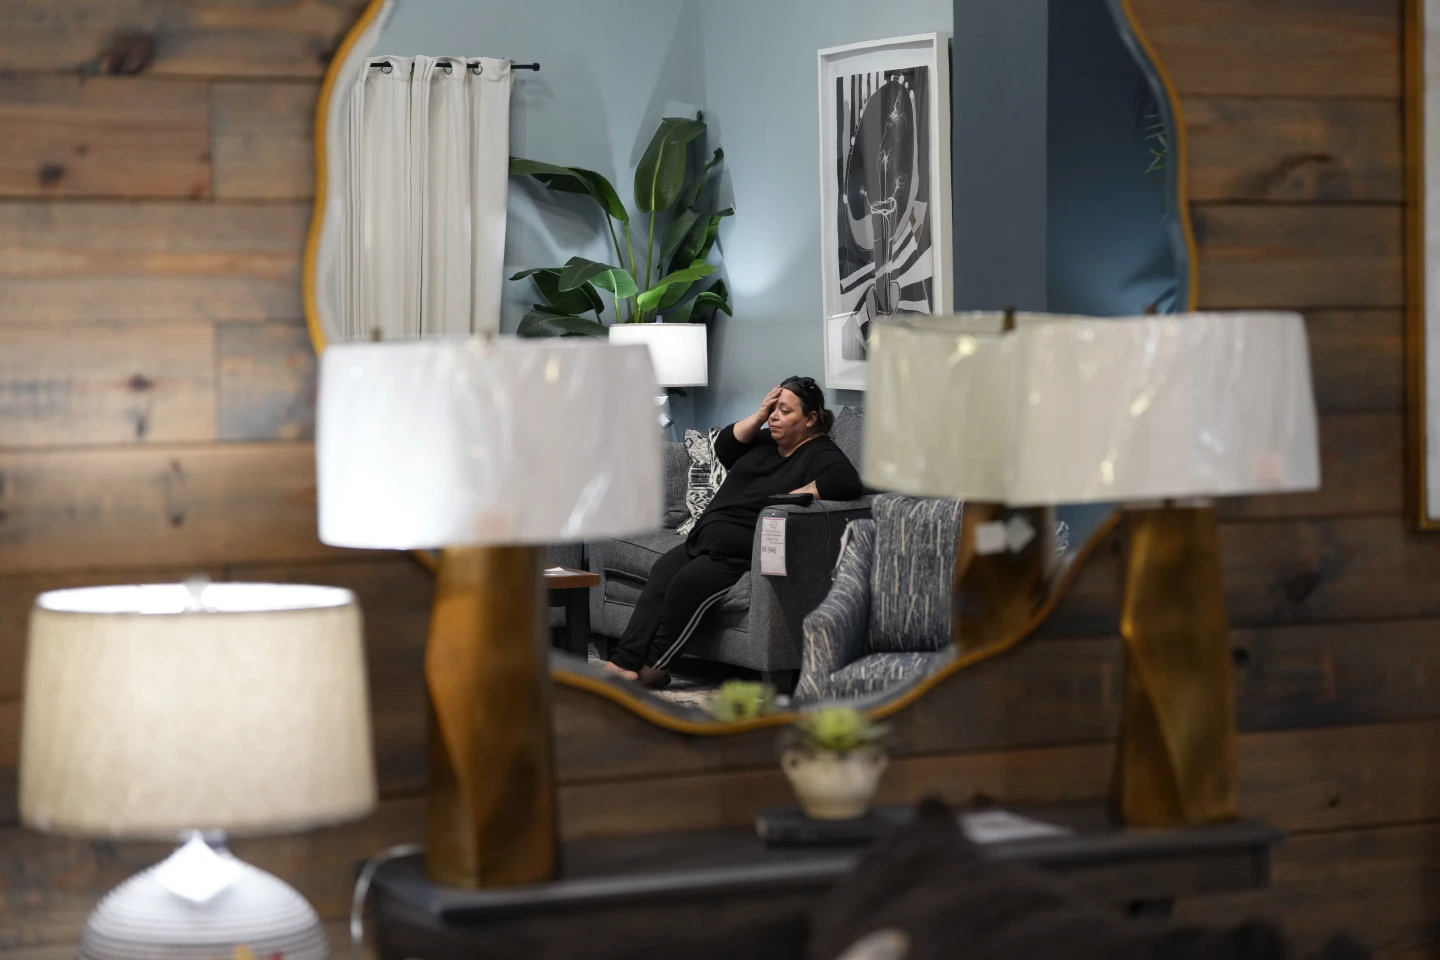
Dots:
(741, 700)
(834, 761)
(677, 231)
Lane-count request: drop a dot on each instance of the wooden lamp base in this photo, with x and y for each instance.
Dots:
(491, 821)
(1175, 763)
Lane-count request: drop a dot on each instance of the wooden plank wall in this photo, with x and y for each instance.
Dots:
(156, 380)
(1294, 110)
(155, 410)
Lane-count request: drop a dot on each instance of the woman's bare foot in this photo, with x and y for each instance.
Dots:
(619, 671)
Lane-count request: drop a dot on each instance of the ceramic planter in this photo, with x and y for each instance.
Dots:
(834, 786)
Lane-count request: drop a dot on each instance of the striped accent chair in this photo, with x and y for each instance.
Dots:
(886, 619)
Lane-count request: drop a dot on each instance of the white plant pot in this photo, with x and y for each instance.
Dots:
(835, 786)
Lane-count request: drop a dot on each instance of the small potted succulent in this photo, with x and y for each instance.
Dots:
(740, 700)
(834, 759)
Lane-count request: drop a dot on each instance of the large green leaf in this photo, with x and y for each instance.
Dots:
(712, 230)
(700, 238)
(687, 213)
(661, 174)
(572, 180)
(650, 299)
(701, 307)
(675, 293)
(691, 193)
(541, 322)
(676, 232)
(579, 300)
(617, 280)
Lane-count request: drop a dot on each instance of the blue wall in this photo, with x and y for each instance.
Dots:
(762, 103)
(999, 104)
(1109, 245)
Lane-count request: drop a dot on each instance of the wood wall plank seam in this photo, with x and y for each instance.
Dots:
(1359, 514)
(1285, 204)
(1327, 831)
(189, 203)
(1198, 97)
(1018, 751)
(175, 447)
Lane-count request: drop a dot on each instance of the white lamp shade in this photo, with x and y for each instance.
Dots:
(1093, 410)
(146, 715)
(678, 350)
(473, 442)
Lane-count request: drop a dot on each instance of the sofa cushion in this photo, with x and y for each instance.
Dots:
(732, 612)
(677, 474)
(849, 433)
(626, 562)
(622, 590)
(910, 582)
(633, 555)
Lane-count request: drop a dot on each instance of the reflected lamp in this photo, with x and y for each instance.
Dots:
(678, 352)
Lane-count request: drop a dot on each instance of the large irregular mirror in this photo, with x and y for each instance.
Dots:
(752, 189)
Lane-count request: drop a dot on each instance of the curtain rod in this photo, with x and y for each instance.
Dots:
(474, 65)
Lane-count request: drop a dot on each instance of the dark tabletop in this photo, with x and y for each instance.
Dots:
(1115, 862)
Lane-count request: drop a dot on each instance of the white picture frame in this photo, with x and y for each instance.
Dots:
(878, 99)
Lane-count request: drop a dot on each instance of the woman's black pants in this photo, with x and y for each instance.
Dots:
(681, 589)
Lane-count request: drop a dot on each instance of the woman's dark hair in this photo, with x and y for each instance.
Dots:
(812, 400)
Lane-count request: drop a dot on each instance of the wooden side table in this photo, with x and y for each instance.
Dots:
(617, 889)
(570, 588)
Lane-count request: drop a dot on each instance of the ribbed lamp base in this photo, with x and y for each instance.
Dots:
(254, 915)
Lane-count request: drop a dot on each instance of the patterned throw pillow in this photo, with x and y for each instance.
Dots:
(706, 475)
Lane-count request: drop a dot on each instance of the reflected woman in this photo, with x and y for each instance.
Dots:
(795, 455)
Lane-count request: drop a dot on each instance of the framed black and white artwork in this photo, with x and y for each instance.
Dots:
(884, 191)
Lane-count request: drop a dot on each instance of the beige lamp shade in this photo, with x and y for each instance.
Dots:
(678, 350)
(1076, 410)
(481, 442)
(152, 710)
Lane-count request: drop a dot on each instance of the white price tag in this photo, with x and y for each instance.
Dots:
(1000, 826)
(991, 538)
(1018, 533)
(772, 546)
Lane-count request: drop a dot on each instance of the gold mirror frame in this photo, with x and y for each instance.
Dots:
(1417, 445)
(310, 264)
(650, 708)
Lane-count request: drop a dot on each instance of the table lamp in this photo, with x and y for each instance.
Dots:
(677, 351)
(1160, 414)
(489, 449)
(171, 711)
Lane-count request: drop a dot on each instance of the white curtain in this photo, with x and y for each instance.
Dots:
(429, 141)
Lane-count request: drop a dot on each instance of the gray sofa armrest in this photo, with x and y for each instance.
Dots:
(778, 605)
(835, 631)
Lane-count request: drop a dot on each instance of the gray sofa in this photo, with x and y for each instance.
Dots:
(759, 624)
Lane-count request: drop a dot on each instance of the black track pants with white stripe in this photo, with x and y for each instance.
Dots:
(681, 590)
